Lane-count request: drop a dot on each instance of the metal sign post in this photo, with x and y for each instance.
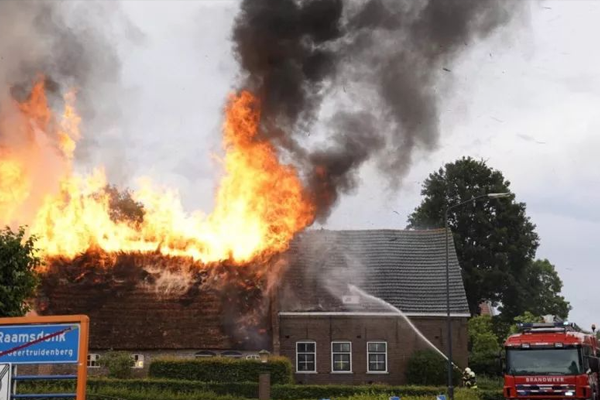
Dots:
(45, 340)
(5, 381)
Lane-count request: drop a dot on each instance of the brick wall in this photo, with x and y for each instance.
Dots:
(401, 340)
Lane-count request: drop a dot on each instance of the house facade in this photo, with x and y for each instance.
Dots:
(335, 333)
(324, 315)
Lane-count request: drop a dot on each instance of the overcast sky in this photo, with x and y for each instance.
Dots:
(527, 100)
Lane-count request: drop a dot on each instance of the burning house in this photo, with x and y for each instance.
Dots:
(156, 278)
(321, 312)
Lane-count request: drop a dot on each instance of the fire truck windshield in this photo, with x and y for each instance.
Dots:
(543, 362)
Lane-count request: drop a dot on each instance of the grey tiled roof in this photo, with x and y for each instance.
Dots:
(405, 268)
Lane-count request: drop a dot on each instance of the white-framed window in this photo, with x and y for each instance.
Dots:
(377, 357)
(93, 360)
(138, 360)
(306, 357)
(341, 357)
(252, 357)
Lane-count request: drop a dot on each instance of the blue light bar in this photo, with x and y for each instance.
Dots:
(534, 325)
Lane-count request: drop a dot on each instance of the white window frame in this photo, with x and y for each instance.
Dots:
(315, 353)
(138, 361)
(333, 371)
(377, 352)
(93, 358)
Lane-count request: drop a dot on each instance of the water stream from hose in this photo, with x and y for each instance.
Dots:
(400, 313)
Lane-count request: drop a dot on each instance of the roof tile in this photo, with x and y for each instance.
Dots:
(405, 268)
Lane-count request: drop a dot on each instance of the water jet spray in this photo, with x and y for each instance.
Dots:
(408, 321)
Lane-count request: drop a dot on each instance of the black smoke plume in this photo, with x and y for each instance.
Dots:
(380, 62)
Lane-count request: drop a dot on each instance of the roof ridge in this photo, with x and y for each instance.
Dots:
(408, 231)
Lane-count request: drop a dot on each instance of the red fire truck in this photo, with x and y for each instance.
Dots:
(551, 361)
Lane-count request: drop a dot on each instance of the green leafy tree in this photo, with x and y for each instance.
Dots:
(523, 319)
(541, 290)
(483, 345)
(18, 276)
(482, 338)
(495, 240)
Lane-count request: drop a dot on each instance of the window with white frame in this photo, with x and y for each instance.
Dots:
(93, 360)
(341, 357)
(377, 357)
(138, 360)
(306, 357)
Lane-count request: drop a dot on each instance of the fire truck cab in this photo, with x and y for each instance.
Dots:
(551, 361)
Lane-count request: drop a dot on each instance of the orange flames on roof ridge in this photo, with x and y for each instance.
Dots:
(260, 203)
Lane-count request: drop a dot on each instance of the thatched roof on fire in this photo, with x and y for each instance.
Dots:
(149, 301)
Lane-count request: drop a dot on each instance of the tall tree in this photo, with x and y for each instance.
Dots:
(541, 291)
(18, 277)
(495, 240)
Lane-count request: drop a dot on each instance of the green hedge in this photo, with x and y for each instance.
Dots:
(491, 394)
(427, 367)
(242, 389)
(125, 394)
(459, 395)
(150, 394)
(297, 392)
(221, 369)
(178, 389)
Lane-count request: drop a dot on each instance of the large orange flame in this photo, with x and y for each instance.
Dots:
(260, 203)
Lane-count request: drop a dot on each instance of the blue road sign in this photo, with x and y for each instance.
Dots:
(56, 348)
(441, 397)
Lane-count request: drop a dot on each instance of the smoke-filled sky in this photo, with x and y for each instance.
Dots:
(524, 99)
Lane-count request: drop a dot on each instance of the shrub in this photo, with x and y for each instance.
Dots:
(427, 367)
(491, 395)
(156, 395)
(118, 363)
(485, 364)
(490, 382)
(222, 369)
(247, 390)
(297, 392)
(134, 389)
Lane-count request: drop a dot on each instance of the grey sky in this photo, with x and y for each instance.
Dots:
(526, 101)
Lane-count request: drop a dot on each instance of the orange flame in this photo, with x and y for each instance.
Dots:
(13, 189)
(31, 162)
(260, 203)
